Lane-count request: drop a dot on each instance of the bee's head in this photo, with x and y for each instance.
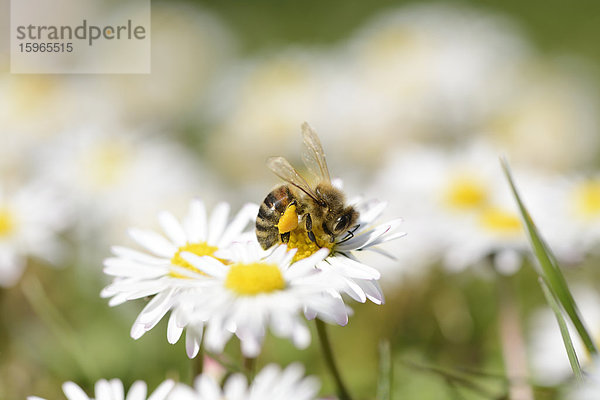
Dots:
(340, 222)
(337, 217)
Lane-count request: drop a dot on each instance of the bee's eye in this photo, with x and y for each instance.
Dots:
(341, 223)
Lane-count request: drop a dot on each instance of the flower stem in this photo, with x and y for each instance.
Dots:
(330, 360)
(196, 365)
(513, 345)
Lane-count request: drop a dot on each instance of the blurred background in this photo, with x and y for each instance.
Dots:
(414, 103)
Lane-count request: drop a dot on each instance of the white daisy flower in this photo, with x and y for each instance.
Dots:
(162, 272)
(463, 204)
(256, 290)
(113, 390)
(30, 220)
(271, 383)
(350, 274)
(116, 178)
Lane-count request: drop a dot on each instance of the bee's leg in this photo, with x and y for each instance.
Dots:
(285, 237)
(309, 231)
(350, 234)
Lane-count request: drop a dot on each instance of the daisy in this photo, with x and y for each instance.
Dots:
(271, 383)
(161, 271)
(116, 178)
(256, 290)
(113, 390)
(31, 218)
(462, 203)
(351, 275)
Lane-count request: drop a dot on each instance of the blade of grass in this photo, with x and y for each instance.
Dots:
(564, 331)
(384, 385)
(550, 271)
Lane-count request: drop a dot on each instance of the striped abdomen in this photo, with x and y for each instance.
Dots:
(271, 209)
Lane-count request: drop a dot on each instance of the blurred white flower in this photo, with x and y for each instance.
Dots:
(31, 217)
(189, 47)
(589, 389)
(570, 205)
(159, 273)
(116, 179)
(252, 290)
(548, 357)
(435, 70)
(270, 383)
(553, 107)
(460, 205)
(259, 104)
(113, 390)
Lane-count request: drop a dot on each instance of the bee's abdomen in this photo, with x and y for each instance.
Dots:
(271, 209)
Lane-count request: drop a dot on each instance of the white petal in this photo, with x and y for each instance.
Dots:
(173, 330)
(353, 269)
(74, 392)
(246, 215)
(209, 265)
(134, 255)
(162, 391)
(217, 223)
(192, 346)
(116, 388)
(137, 391)
(172, 228)
(153, 242)
(194, 223)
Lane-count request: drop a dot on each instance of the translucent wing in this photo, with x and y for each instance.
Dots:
(313, 154)
(283, 169)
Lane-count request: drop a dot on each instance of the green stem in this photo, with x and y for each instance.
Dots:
(330, 360)
(511, 339)
(250, 367)
(197, 363)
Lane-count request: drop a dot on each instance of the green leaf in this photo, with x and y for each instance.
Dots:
(549, 270)
(564, 331)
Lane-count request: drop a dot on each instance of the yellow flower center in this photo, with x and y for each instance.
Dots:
(7, 221)
(255, 278)
(587, 199)
(501, 221)
(299, 240)
(465, 193)
(199, 249)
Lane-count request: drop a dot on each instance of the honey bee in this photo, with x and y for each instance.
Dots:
(317, 209)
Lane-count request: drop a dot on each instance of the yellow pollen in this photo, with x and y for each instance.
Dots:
(255, 278)
(500, 221)
(465, 193)
(299, 240)
(587, 199)
(288, 221)
(7, 221)
(199, 249)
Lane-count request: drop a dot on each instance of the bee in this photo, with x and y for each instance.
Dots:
(317, 209)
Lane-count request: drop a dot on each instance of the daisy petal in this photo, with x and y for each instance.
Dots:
(172, 228)
(153, 242)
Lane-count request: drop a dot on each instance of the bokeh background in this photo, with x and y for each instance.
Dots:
(414, 102)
